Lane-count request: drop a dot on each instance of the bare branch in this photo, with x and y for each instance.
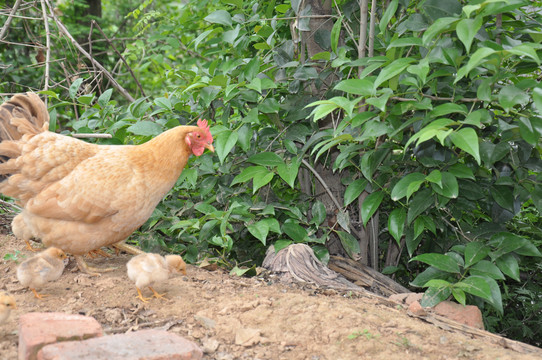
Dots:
(372, 29)
(121, 57)
(74, 42)
(323, 182)
(9, 19)
(47, 44)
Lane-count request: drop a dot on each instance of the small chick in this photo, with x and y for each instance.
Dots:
(148, 269)
(38, 270)
(7, 303)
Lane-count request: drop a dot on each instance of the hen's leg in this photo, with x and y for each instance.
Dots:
(140, 296)
(130, 249)
(38, 295)
(98, 252)
(84, 267)
(156, 295)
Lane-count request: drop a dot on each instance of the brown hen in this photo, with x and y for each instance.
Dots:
(79, 196)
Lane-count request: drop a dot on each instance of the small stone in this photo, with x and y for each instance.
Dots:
(210, 345)
(205, 321)
(247, 337)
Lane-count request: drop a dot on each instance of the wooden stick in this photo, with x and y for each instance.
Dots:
(90, 136)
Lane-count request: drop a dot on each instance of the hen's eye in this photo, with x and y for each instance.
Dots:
(198, 136)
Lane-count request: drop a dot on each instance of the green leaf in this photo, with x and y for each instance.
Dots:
(370, 205)
(537, 97)
(460, 296)
(528, 131)
(475, 60)
(461, 171)
(419, 203)
(435, 295)
(510, 96)
(248, 174)
(388, 14)
(474, 252)
(449, 187)
(318, 213)
(435, 177)
(221, 17)
(393, 69)
(259, 230)
(504, 196)
(448, 108)
(261, 179)
(354, 190)
(402, 42)
(335, 34)
(467, 140)
(288, 172)
(476, 285)
(349, 243)
(145, 128)
(74, 87)
(224, 143)
(505, 242)
(295, 231)
(486, 268)
(439, 261)
(525, 50)
(396, 223)
(466, 30)
(508, 264)
(164, 103)
(438, 27)
(266, 159)
(363, 87)
(400, 189)
(103, 100)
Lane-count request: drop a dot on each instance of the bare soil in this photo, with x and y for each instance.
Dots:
(242, 318)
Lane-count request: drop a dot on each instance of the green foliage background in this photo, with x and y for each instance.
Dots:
(439, 132)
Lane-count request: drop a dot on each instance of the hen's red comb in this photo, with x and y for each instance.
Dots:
(202, 124)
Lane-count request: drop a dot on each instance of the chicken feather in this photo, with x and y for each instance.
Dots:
(80, 196)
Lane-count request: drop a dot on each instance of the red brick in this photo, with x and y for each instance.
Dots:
(139, 345)
(39, 329)
(469, 315)
(416, 309)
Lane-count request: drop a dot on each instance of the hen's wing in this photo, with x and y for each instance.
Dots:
(97, 188)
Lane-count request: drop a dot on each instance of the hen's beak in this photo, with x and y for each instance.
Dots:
(210, 147)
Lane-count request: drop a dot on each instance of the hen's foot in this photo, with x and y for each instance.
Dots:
(93, 271)
(141, 297)
(29, 247)
(38, 295)
(157, 295)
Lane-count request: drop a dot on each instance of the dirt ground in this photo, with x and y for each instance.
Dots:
(241, 318)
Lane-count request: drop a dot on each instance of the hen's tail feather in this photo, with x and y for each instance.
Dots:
(22, 115)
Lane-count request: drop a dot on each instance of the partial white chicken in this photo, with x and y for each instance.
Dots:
(46, 266)
(148, 269)
(7, 303)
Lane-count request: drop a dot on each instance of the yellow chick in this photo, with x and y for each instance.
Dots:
(148, 269)
(7, 303)
(40, 269)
